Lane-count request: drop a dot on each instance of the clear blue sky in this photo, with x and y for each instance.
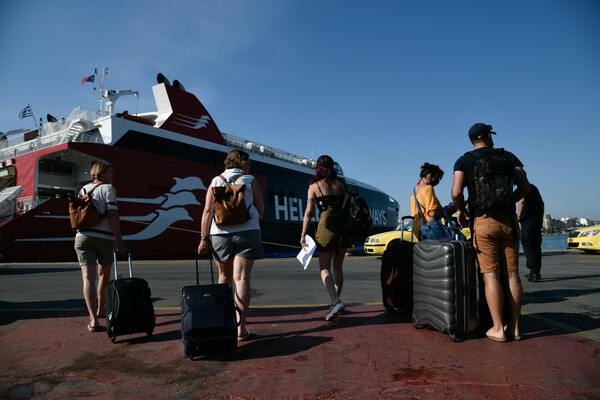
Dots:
(380, 86)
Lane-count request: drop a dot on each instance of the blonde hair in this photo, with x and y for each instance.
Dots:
(99, 167)
(236, 159)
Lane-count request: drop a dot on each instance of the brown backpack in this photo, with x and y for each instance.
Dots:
(83, 212)
(230, 205)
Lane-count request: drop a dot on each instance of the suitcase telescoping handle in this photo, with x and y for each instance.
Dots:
(128, 258)
(456, 231)
(212, 274)
(412, 236)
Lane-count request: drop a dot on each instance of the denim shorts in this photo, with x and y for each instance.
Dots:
(245, 244)
(91, 250)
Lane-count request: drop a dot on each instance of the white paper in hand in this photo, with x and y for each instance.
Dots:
(307, 252)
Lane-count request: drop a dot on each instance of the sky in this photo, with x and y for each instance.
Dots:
(381, 86)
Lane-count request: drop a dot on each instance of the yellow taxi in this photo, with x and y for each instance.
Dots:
(586, 239)
(378, 243)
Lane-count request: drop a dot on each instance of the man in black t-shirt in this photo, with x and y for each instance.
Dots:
(495, 231)
(531, 216)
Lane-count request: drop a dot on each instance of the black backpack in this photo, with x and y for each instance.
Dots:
(494, 183)
(359, 221)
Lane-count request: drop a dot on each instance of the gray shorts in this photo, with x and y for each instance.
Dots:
(91, 250)
(245, 244)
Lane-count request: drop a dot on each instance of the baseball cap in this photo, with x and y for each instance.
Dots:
(480, 130)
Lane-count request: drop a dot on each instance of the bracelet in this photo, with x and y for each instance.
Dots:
(202, 237)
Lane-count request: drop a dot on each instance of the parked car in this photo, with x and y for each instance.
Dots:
(377, 244)
(586, 239)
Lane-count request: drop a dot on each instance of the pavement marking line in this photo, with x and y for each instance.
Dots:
(285, 306)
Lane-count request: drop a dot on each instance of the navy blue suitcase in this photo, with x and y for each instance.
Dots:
(129, 306)
(444, 287)
(208, 318)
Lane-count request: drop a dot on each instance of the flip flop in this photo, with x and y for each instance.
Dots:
(496, 339)
(246, 336)
(93, 328)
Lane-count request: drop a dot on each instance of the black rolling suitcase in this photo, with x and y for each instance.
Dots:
(444, 286)
(129, 306)
(397, 275)
(208, 318)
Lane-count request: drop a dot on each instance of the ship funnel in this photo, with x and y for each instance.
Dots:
(178, 85)
(160, 78)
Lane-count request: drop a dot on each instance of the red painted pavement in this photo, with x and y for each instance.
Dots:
(367, 354)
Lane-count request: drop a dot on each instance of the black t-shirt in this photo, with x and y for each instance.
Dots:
(534, 205)
(466, 164)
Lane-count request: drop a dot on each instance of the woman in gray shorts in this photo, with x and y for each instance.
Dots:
(94, 246)
(235, 246)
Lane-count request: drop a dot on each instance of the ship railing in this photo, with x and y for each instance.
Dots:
(19, 205)
(77, 127)
(272, 152)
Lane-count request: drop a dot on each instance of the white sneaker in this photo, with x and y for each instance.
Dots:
(333, 313)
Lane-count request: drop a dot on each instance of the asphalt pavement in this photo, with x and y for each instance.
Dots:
(366, 353)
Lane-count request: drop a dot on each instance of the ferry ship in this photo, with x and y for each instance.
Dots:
(164, 161)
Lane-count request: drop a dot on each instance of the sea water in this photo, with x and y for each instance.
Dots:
(553, 242)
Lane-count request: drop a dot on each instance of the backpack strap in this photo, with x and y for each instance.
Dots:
(232, 179)
(94, 188)
(418, 207)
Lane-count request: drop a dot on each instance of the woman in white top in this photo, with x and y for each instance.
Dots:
(235, 247)
(94, 246)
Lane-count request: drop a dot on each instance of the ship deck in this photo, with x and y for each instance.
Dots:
(366, 353)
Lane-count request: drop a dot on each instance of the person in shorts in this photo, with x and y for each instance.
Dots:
(495, 236)
(235, 247)
(94, 246)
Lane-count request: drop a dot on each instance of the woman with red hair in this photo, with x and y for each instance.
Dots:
(327, 191)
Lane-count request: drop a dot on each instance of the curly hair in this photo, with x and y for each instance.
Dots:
(325, 169)
(427, 169)
(236, 159)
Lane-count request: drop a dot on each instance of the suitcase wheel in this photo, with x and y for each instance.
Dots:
(453, 338)
(113, 339)
(415, 322)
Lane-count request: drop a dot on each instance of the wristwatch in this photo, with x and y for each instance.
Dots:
(202, 237)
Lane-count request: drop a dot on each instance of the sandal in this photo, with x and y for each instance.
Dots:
(245, 337)
(93, 328)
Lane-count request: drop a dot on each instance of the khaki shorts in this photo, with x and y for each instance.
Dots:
(496, 244)
(91, 250)
(245, 244)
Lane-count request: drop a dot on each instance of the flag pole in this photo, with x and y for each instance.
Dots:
(32, 116)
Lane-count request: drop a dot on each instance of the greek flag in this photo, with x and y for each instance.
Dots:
(26, 112)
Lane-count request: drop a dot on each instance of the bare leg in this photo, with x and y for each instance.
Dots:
(88, 273)
(242, 270)
(103, 279)
(338, 273)
(515, 299)
(495, 300)
(325, 265)
(225, 271)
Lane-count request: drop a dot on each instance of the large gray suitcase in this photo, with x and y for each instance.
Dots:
(444, 287)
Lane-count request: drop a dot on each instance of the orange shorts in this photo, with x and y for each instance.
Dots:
(496, 244)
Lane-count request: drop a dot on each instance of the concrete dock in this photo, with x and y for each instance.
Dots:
(47, 353)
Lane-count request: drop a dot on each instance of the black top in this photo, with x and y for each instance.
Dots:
(466, 164)
(330, 202)
(534, 205)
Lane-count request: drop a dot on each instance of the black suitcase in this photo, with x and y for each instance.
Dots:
(129, 306)
(444, 286)
(397, 275)
(208, 318)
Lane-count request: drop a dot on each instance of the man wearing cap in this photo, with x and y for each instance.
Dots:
(495, 234)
